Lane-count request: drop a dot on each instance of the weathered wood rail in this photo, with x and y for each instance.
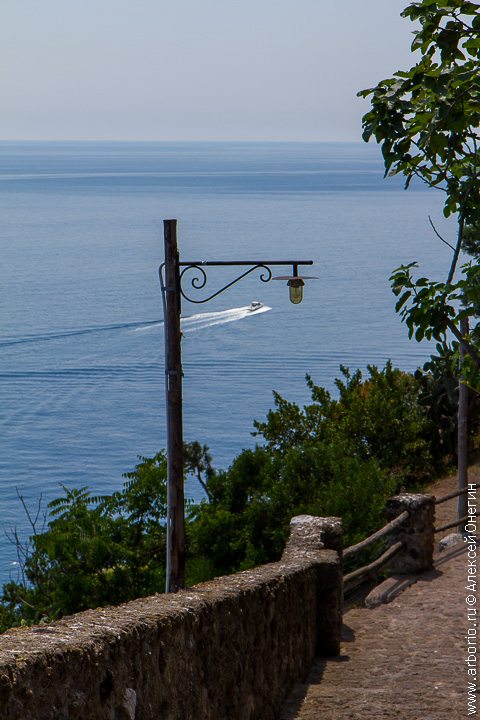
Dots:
(352, 579)
(450, 496)
(378, 535)
(356, 577)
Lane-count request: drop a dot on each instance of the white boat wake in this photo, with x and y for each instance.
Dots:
(206, 320)
(200, 321)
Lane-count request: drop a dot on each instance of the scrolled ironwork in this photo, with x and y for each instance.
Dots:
(198, 282)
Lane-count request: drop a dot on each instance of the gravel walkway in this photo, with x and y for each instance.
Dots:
(400, 660)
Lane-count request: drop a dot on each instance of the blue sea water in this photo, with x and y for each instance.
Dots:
(81, 336)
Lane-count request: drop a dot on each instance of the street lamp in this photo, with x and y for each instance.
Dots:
(296, 290)
(172, 273)
(295, 281)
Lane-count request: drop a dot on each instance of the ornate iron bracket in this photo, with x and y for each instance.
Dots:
(199, 280)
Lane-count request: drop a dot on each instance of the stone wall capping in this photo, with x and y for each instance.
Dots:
(231, 647)
(228, 648)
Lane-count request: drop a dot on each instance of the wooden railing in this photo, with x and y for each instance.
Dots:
(422, 529)
(356, 577)
(450, 496)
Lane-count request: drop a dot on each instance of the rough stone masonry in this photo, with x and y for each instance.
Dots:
(229, 649)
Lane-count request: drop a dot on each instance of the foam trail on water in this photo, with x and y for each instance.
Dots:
(192, 322)
(200, 321)
(206, 320)
(202, 317)
(66, 334)
(151, 326)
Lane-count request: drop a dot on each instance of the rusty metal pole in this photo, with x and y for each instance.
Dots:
(173, 369)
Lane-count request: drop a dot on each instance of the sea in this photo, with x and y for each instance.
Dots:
(81, 320)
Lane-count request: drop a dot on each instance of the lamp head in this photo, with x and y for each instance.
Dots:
(295, 285)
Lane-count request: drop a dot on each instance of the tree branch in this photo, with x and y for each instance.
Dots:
(466, 345)
(438, 234)
(204, 486)
(456, 254)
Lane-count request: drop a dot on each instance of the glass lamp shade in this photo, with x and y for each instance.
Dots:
(295, 286)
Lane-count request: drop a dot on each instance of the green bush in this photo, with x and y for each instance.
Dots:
(94, 551)
(340, 456)
(336, 456)
(438, 382)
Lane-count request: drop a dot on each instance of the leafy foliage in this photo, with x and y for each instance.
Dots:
(335, 456)
(340, 456)
(431, 309)
(95, 551)
(426, 120)
(438, 381)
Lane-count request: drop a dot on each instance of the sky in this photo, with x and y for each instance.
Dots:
(279, 70)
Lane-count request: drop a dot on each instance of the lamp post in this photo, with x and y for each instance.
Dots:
(171, 274)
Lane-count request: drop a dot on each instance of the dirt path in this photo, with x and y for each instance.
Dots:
(400, 660)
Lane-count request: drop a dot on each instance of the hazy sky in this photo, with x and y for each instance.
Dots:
(194, 69)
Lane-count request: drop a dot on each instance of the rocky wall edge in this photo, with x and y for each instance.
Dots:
(227, 649)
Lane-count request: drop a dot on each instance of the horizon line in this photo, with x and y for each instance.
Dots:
(151, 140)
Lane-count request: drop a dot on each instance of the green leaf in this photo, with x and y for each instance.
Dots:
(403, 299)
(419, 334)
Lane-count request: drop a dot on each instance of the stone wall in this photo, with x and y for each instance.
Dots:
(417, 534)
(229, 649)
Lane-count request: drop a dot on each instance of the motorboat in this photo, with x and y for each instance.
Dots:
(255, 305)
